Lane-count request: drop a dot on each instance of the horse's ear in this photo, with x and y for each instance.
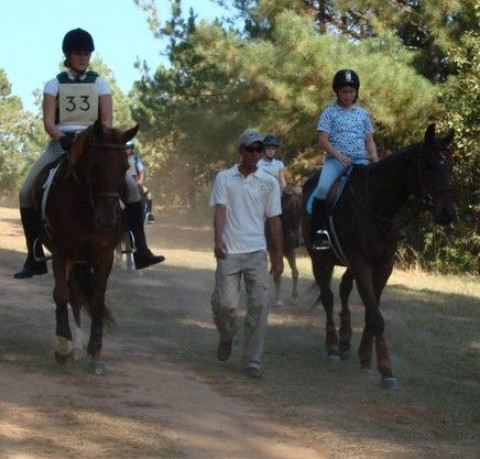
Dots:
(130, 134)
(449, 137)
(430, 133)
(97, 127)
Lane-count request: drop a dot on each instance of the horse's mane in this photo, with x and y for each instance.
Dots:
(83, 140)
(409, 149)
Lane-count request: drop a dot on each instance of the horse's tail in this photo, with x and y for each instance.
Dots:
(82, 292)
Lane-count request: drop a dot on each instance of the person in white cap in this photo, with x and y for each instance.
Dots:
(245, 198)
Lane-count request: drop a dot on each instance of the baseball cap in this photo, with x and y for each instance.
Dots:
(249, 137)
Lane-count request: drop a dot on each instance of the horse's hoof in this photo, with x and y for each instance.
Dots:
(63, 359)
(367, 372)
(333, 357)
(389, 383)
(344, 355)
(97, 368)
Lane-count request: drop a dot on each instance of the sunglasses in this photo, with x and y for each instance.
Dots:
(251, 149)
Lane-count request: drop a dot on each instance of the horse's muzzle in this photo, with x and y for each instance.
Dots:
(105, 223)
(444, 217)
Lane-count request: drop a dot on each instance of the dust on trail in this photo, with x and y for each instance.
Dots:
(144, 407)
(165, 395)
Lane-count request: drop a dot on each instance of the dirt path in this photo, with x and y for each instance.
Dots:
(144, 406)
(165, 395)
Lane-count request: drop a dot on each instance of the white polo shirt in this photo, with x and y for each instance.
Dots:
(250, 201)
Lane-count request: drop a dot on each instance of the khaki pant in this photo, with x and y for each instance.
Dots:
(226, 298)
(51, 154)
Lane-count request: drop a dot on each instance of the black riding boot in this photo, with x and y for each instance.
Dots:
(320, 237)
(148, 210)
(143, 257)
(32, 227)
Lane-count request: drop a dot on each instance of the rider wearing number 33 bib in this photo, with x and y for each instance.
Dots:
(72, 101)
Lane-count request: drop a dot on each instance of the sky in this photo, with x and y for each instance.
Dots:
(32, 32)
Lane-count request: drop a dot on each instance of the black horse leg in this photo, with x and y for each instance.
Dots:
(345, 331)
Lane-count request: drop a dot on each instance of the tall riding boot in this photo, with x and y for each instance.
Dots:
(143, 257)
(32, 227)
(320, 237)
(148, 209)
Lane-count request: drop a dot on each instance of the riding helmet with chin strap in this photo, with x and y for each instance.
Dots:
(271, 140)
(345, 77)
(77, 40)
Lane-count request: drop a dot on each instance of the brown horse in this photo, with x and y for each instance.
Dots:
(83, 216)
(361, 226)
(292, 229)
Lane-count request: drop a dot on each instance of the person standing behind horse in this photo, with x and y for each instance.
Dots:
(244, 198)
(137, 171)
(269, 163)
(72, 101)
(345, 133)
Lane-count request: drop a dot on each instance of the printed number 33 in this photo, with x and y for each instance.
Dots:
(73, 104)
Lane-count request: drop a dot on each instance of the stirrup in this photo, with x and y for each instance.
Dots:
(38, 254)
(321, 240)
(131, 246)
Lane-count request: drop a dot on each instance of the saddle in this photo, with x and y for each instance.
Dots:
(333, 196)
(42, 184)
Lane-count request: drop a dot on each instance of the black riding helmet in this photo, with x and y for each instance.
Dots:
(77, 40)
(345, 77)
(271, 140)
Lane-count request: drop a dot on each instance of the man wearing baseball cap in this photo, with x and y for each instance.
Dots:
(244, 198)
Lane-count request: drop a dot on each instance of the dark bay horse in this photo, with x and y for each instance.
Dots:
(362, 223)
(84, 223)
(292, 230)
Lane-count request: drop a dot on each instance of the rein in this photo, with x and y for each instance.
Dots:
(365, 205)
(91, 194)
(102, 194)
(426, 197)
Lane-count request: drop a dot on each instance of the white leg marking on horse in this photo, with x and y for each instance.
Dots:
(77, 336)
(64, 346)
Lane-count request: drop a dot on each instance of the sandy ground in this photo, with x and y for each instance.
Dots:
(165, 395)
(144, 406)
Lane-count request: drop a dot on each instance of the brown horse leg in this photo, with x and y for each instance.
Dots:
(381, 277)
(365, 350)
(64, 348)
(322, 271)
(277, 282)
(374, 324)
(278, 291)
(101, 271)
(292, 261)
(368, 285)
(345, 330)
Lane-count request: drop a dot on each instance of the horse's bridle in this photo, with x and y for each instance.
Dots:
(426, 196)
(91, 193)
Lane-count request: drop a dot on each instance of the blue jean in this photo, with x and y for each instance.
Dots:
(331, 170)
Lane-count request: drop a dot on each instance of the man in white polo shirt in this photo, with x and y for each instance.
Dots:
(244, 197)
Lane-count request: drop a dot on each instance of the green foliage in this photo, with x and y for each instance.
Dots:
(122, 116)
(19, 138)
(460, 98)
(272, 68)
